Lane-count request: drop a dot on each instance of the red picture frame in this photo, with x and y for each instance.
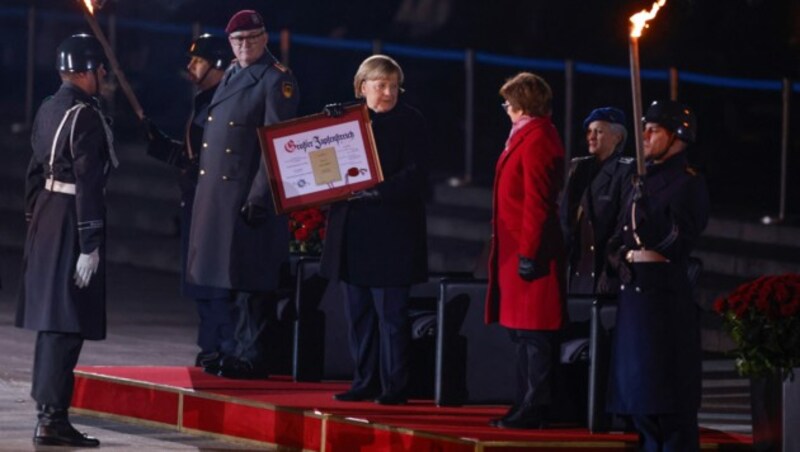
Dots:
(320, 159)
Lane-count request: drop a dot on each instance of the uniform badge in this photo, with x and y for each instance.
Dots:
(287, 88)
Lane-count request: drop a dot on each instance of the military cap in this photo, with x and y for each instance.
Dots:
(608, 114)
(246, 19)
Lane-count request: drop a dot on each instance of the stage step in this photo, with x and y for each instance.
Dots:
(725, 404)
(303, 416)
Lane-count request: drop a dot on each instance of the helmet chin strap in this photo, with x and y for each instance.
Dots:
(663, 152)
(205, 74)
(96, 83)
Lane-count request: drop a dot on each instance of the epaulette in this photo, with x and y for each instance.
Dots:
(691, 170)
(627, 160)
(280, 67)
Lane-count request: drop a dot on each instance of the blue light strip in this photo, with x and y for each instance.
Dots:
(446, 55)
(345, 44)
(528, 63)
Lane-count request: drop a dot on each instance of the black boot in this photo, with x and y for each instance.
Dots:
(54, 429)
(526, 417)
(511, 410)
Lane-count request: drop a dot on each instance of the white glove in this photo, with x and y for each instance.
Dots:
(86, 267)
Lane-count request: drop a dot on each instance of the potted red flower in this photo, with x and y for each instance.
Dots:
(763, 319)
(308, 231)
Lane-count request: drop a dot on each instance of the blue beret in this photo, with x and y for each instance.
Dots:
(608, 114)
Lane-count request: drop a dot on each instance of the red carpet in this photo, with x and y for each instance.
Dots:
(304, 416)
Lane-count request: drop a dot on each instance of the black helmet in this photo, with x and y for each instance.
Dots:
(213, 49)
(80, 53)
(673, 116)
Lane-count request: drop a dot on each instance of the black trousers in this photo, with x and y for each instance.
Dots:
(215, 332)
(534, 365)
(255, 313)
(54, 361)
(677, 432)
(380, 337)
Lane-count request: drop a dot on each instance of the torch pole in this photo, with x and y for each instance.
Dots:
(112, 58)
(636, 91)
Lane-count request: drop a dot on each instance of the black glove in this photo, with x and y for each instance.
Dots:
(152, 131)
(365, 195)
(253, 214)
(333, 110)
(160, 145)
(526, 268)
(638, 188)
(617, 261)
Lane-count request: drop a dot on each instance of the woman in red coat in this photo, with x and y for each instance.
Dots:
(526, 286)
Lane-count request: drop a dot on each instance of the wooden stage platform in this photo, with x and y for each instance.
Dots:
(303, 416)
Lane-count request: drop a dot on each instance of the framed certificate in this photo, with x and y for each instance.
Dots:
(320, 159)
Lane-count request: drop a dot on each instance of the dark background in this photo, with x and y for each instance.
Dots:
(739, 129)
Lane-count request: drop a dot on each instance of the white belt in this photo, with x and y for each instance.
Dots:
(634, 256)
(59, 187)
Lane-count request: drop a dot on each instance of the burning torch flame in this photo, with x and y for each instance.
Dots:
(640, 19)
(90, 6)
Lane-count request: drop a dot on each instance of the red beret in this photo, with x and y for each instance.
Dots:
(246, 19)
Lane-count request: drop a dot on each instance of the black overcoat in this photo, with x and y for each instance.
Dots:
(590, 211)
(656, 358)
(382, 242)
(62, 226)
(224, 251)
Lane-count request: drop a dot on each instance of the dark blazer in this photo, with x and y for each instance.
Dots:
(656, 359)
(590, 210)
(62, 226)
(383, 242)
(223, 250)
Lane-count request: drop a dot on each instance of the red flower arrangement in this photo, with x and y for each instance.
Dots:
(308, 231)
(763, 318)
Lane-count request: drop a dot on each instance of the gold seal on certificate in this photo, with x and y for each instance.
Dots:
(320, 159)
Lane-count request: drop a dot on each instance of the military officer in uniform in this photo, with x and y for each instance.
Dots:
(237, 241)
(63, 284)
(656, 359)
(209, 56)
(597, 186)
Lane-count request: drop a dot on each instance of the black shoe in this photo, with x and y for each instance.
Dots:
(496, 421)
(530, 418)
(54, 429)
(203, 359)
(391, 399)
(240, 369)
(213, 365)
(354, 396)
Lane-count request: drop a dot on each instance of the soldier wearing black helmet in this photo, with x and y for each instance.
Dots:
(62, 293)
(209, 57)
(656, 361)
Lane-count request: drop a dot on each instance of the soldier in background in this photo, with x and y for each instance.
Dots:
(597, 187)
(63, 283)
(209, 56)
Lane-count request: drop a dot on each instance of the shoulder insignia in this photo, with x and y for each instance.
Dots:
(692, 171)
(287, 88)
(280, 67)
(626, 160)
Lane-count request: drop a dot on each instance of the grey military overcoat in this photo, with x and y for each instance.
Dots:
(224, 251)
